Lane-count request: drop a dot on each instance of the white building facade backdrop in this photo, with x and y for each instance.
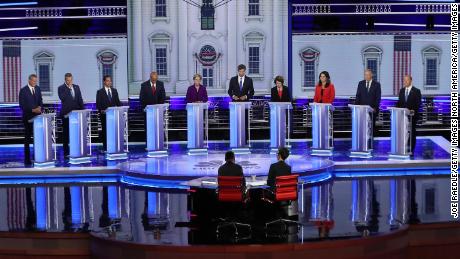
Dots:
(166, 36)
(88, 59)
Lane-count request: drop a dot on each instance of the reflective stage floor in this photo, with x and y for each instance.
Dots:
(149, 201)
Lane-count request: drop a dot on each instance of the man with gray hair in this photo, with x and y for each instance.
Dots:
(369, 93)
(31, 103)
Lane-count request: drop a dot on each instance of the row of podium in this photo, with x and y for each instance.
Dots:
(197, 133)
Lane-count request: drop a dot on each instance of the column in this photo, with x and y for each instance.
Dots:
(182, 44)
(277, 50)
(135, 48)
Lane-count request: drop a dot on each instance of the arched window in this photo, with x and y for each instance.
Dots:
(254, 45)
(44, 64)
(431, 60)
(107, 60)
(310, 58)
(160, 47)
(372, 57)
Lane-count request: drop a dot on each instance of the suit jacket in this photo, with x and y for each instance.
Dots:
(147, 97)
(27, 102)
(234, 88)
(68, 102)
(102, 99)
(231, 169)
(284, 97)
(194, 96)
(328, 94)
(279, 168)
(371, 97)
(414, 100)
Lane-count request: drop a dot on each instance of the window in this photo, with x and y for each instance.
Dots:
(253, 7)
(107, 60)
(161, 61)
(431, 60)
(430, 200)
(309, 61)
(44, 62)
(208, 76)
(160, 48)
(254, 45)
(160, 8)
(372, 65)
(254, 60)
(207, 15)
(372, 57)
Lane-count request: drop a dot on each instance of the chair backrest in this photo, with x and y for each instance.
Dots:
(230, 188)
(286, 187)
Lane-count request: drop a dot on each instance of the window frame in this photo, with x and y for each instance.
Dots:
(45, 58)
(373, 52)
(431, 52)
(315, 64)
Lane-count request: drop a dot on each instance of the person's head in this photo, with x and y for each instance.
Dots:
(368, 75)
(107, 81)
(197, 79)
(33, 80)
(407, 80)
(230, 156)
(153, 76)
(241, 70)
(283, 153)
(279, 81)
(68, 78)
(324, 78)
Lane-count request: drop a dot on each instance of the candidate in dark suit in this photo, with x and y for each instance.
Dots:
(152, 92)
(230, 168)
(31, 103)
(241, 87)
(279, 168)
(410, 98)
(71, 99)
(280, 92)
(106, 97)
(369, 93)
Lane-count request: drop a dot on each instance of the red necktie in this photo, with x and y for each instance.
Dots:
(280, 93)
(154, 89)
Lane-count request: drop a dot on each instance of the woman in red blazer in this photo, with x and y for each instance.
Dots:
(324, 91)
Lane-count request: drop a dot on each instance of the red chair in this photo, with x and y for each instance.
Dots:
(230, 189)
(285, 190)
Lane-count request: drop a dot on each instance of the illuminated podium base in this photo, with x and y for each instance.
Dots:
(157, 153)
(321, 152)
(79, 160)
(241, 150)
(45, 164)
(398, 156)
(197, 151)
(117, 156)
(274, 150)
(361, 154)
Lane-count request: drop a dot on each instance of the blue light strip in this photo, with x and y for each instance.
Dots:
(17, 4)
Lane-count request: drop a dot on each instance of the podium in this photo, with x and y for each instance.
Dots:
(238, 113)
(80, 136)
(155, 119)
(117, 132)
(278, 132)
(322, 129)
(197, 128)
(361, 131)
(401, 128)
(44, 139)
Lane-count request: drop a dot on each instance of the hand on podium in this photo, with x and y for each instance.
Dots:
(37, 110)
(234, 97)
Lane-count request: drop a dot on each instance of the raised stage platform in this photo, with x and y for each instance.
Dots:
(151, 202)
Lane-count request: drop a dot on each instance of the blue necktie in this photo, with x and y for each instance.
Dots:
(241, 85)
(407, 94)
(110, 95)
(72, 92)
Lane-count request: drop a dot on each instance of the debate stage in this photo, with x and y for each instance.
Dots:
(431, 156)
(146, 207)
